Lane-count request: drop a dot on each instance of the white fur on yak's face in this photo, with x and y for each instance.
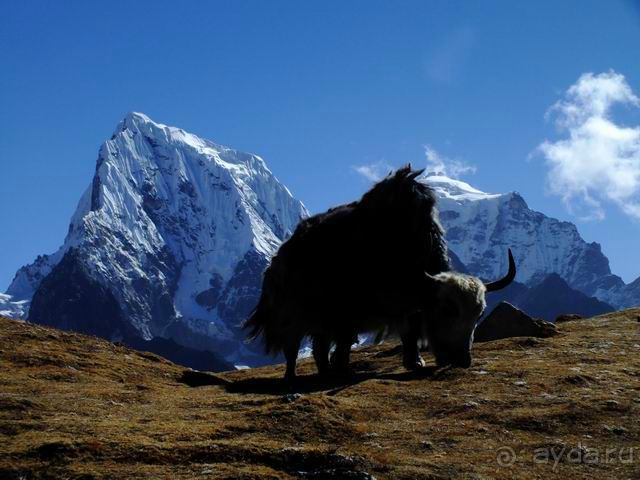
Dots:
(459, 304)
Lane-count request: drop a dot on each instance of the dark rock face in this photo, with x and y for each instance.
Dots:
(553, 297)
(209, 298)
(549, 299)
(69, 298)
(242, 292)
(506, 321)
(590, 266)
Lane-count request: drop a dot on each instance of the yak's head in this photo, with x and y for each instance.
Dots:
(456, 306)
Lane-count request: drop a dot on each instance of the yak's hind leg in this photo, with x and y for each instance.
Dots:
(411, 358)
(321, 346)
(291, 356)
(342, 352)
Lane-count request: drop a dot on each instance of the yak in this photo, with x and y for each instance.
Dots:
(379, 264)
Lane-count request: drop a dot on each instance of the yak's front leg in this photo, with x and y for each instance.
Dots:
(411, 358)
(342, 353)
(321, 346)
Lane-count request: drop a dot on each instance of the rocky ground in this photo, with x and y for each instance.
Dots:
(73, 406)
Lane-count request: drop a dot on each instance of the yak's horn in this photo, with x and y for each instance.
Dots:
(431, 279)
(508, 278)
(415, 174)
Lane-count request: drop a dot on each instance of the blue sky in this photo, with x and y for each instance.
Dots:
(315, 88)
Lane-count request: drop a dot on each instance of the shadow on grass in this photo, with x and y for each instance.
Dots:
(194, 378)
(332, 385)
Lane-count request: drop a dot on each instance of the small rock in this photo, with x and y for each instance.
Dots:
(374, 445)
(619, 430)
(520, 383)
(290, 449)
(426, 445)
(292, 397)
(612, 404)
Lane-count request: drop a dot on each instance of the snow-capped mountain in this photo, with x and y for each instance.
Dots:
(170, 239)
(481, 226)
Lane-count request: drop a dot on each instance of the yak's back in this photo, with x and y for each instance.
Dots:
(392, 227)
(323, 234)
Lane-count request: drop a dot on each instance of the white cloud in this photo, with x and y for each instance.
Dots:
(440, 165)
(599, 160)
(374, 172)
(437, 164)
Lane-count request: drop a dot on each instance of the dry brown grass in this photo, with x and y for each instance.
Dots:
(78, 407)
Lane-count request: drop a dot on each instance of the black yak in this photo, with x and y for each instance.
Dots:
(379, 264)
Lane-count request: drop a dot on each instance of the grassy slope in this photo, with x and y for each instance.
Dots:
(75, 406)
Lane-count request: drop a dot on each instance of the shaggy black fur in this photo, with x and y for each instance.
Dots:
(356, 268)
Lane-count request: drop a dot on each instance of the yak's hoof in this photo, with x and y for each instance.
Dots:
(415, 364)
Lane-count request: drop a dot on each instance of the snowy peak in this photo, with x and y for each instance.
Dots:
(480, 227)
(172, 235)
(456, 190)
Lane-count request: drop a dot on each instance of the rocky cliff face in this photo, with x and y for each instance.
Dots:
(169, 240)
(481, 226)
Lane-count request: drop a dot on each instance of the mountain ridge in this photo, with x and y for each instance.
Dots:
(173, 232)
(480, 227)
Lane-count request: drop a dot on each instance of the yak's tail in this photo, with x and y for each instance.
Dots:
(256, 322)
(260, 322)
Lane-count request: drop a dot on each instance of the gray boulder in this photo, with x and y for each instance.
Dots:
(507, 321)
